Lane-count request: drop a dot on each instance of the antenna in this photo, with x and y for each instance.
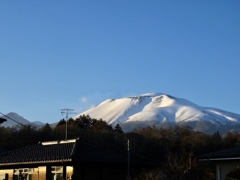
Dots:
(66, 112)
(128, 148)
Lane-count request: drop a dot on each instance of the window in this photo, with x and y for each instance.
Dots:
(57, 172)
(24, 173)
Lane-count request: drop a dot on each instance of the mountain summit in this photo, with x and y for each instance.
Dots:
(162, 110)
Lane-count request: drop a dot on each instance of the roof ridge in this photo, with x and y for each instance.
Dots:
(74, 148)
(58, 142)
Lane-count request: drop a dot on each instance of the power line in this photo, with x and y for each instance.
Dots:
(12, 119)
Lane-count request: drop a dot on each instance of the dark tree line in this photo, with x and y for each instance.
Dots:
(174, 150)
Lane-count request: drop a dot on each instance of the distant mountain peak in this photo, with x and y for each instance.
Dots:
(160, 110)
(14, 119)
(150, 94)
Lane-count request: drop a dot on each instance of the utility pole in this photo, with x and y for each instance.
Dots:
(66, 112)
(128, 170)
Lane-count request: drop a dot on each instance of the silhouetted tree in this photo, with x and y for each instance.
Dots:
(84, 122)
(103, 126)
(46, 133)
(118, 129)
(174, 150)
(61, 122)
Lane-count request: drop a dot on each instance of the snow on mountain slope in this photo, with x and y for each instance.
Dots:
(157, 109)
(118, 110)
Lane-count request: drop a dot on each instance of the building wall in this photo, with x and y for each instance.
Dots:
(4, 172)
(39, 173)
(81, 172)
(42, 172)
(93, 172)
(102, 172)
(224, 167)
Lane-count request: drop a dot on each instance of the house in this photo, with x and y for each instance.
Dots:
(227, 163)
(66, 160)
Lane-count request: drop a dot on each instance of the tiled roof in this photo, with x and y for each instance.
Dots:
(41, 152)
(66, 151)
(227, 154)
(2, 150)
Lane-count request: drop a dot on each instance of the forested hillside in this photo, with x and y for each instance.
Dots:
(174, 150)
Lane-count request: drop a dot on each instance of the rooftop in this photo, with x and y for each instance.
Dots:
(227, 154)
(66, 151)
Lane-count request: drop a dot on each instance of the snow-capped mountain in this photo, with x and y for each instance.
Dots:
(154, 109)
(162, 110)
(13, 119)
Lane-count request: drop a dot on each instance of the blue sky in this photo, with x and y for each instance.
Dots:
(75, 54)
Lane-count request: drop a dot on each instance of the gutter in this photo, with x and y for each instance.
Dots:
(220, 159)
(36, 162)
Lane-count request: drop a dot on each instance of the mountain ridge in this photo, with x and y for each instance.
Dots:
(14, 119)
(152, 109)
(160, 110)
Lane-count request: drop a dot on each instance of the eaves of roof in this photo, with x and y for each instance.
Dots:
(50, 152)
(68, 151)
(219, 159)
(36, 162)
(223, 155)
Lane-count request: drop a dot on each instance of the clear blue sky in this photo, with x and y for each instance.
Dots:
(74, 54)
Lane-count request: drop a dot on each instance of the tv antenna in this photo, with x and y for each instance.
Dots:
(66, 112)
